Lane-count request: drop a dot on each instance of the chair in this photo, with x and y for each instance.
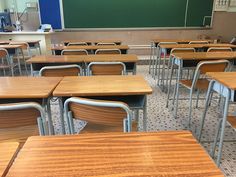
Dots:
(200, 82)
(74, 52)
(5, 62)
(108, 51)
(106, 68)
(106, 43)
(219, 49)
(101, 116)
(169, 75)
(18, 121)
(77, 44)
(23, 55)
(61, 71)
(162, 58)
(198, 42)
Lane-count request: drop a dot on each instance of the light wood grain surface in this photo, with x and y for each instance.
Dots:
(27, 87)
(161, 154)
(27, 41)
(8, 151)
(171, 46)
(95, 41)
(10, 46)
(177, 40)
(102, 86)
(205, 55)
(227, 79)
(92, 47)
(82, 58)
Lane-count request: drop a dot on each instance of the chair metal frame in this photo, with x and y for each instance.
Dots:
(89, 70)
(127, 122)
(220, 49)
(74, 50)
(61, 67)
(196, 77)
(107, 50)
(169, 65)
(159, 59)
(198, 42)
(106, 43)
(77, 44)
(29, 54)
(27, 105)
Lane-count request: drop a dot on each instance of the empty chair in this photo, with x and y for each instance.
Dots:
(24, 54)
(198, 42)
(100, 115)
(106, 43)
(5, 62)
(74, 52)
(61, 71)
(77, 44)
(219, 49)
(108, 51)
(18, 121)
(199, 81)
(106, 68)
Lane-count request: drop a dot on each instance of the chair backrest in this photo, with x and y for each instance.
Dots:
(108, 51)
(4, 56)
(61, 71)
(164, 43)
(106, 43)
(209, 66)
(22, 114)
(182, 50)
(219, 49)
(77, 44)
(198, 42)
(106, 68)
(111, 113)
(74, 52)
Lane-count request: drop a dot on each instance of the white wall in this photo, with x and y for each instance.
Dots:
(20, 4)
(2, 5)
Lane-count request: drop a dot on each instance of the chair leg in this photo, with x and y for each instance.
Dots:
(190, 108)
(71, 123)
(208, 96)
(169, 86)
(177, 93)
(212, 153)
(61, 115)
(198, 91)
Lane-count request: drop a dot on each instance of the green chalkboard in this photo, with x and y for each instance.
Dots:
(130, 13)
(197, 10)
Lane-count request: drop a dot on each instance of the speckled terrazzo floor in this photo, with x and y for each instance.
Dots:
(160, 118)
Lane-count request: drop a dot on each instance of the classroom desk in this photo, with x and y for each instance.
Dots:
(183, 60)
(170, 153)
(223, 83)
(8, 151)
(94, 42)
(38, 89)
(166, 48)
(130, 89)
(57, 49)
(37, 62)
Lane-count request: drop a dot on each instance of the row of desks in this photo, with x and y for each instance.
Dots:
(57, 49)
(158, 154)
(37, 62)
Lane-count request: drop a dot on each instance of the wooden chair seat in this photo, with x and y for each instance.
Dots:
(18, 134)
(232, 121)
(202, 84)
(96, 128)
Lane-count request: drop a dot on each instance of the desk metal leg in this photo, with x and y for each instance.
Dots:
(61, 115)
(208, 98)
(50, 124)
(224, 121)
(145, 114)
(176, 96)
